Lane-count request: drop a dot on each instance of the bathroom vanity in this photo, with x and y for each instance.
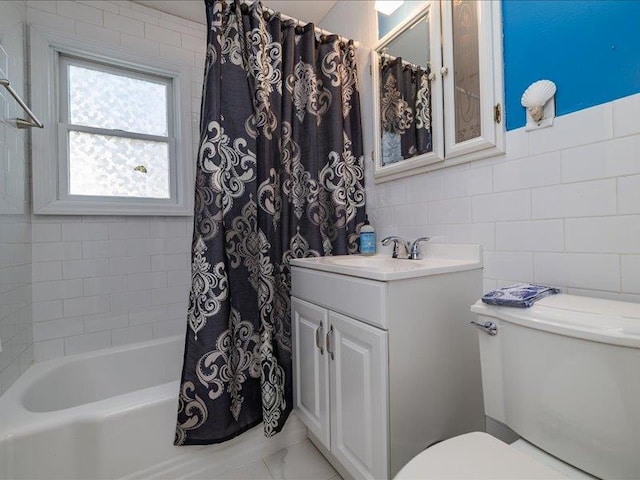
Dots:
(385, 361)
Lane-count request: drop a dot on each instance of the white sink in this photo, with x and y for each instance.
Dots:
(437, 258)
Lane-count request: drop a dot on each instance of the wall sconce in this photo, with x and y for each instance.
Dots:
(539, 101)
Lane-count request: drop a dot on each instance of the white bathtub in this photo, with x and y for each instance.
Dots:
(112, 414)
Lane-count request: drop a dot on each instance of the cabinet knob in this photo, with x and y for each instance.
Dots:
(444, 71)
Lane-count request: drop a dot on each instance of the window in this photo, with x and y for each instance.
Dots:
(116, 123)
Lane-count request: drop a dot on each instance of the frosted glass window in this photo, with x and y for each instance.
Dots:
(111, 166)
(111, 101)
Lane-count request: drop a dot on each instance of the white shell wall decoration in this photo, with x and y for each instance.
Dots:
(539, 101)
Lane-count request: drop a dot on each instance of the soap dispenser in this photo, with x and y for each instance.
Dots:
(367, 238)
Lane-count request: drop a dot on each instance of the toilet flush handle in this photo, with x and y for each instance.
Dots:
(489, 328)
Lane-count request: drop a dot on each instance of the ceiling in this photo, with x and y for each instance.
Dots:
(305, 10)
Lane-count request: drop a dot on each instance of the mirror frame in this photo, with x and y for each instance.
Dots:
(419, 163)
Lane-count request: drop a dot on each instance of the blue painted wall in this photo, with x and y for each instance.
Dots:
(590, 49)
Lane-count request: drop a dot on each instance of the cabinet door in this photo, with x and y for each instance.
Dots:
(472, 77)
(359, 396)
(311, 370)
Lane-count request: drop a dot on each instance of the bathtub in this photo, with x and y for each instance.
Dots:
(111, 414)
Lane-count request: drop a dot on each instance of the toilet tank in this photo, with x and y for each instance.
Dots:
(565, 375)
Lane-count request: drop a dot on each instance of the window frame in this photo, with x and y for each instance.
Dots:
(50, 54)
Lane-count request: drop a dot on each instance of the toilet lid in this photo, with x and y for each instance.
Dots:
(475, 455)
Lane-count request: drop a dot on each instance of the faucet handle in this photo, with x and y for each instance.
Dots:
(397, 241)
(415, 248)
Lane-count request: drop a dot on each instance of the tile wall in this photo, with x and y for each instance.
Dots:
(562, 207)
(15, 230)
(100, 281)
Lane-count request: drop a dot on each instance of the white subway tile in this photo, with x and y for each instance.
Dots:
(73, 307)
(126, 265)
(48, 6)
(48, 350)
(480, 180)
(179, 278)
(501, 207)
(79, 11)
(139, 45)
(164, 296)
(474, 233)
(50, 252)
(145, 246)
(153, 314)
(97, 34)
(630, 273)
(625, 115)
(581, 199)
(617, 157)
(63, 327)
(533, 236)
(456, 210)
(56, 290)
(170, 228)
(87, 342)
(50, 21)
(85, 268)
(614, 234)
(455, 180)
(176, 261)
(509, 266)
(47, 271)
(133, 229)
(120, 23)
(46, 232)
(578, 270)
(527, 172)
(126, 301)
(104, 285)
(169, 328)
(138, 333)
(410, 214)
(162, 35)
(48, 310)
(105, 321)
(84, 231)
(178, 310)
(195, 44)
(138, 15)
(104, 249)
(178, 245)
(586, 126)
(146, 281)
(629, 194)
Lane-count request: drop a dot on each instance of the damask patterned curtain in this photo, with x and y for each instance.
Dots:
(279, 176)
(405, 104)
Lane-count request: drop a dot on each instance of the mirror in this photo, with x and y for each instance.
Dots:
(404, 85)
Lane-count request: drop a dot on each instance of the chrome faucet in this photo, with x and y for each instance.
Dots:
(415, 248)
(397, 241)
(411, 250)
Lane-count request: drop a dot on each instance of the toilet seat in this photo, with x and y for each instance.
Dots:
(478, 456)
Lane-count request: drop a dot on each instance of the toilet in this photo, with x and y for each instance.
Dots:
(564, 375)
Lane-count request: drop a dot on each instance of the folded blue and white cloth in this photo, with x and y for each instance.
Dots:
(521, 295)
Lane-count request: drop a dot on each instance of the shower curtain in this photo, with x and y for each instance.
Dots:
(279, 176)
(405, 109)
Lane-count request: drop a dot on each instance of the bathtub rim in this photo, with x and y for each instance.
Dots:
(16, 419)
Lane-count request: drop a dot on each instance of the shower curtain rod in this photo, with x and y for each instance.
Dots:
(319, 30)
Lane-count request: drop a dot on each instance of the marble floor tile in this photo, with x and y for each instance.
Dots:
(301, 461)
(252, 471)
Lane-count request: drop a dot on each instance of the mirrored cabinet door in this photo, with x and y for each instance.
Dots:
(470, 97)
(437, 88)
(408, 101)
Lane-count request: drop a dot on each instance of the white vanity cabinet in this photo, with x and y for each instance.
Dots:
(341, 386)
(385, 361)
